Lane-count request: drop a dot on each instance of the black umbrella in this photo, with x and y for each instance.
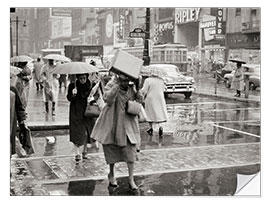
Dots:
(237, 60)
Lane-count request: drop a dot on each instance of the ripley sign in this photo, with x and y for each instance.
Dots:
(187, 15)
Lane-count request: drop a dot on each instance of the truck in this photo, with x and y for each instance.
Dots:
(85, 53)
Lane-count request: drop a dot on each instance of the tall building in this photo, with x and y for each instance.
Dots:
(243, 34)
(43, 27)
(20, 19)
(80, 19)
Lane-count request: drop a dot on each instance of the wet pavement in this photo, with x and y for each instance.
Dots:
(207, 141)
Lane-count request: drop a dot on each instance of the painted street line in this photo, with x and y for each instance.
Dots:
(202, 103)
(156, 162)
(239, 131)
(244, 121)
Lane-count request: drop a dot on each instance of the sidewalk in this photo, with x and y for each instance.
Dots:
(205, 85)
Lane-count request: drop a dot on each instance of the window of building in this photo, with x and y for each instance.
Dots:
(253, 12)
(238, 12)
(184, 56)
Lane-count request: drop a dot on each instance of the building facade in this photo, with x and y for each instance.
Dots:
(243, 34)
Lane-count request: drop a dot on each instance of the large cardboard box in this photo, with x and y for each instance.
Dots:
(127, 64)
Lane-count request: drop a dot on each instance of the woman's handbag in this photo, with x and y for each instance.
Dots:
(92, 110)
(133, 108)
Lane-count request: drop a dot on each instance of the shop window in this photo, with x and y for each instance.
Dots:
(238, 12)
(253, 12)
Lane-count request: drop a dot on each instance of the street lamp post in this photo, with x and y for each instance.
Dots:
(17, 21)
(146, 56)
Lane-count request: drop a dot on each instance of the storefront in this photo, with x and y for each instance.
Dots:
(245, 46)
(187, 27)
(212, 38)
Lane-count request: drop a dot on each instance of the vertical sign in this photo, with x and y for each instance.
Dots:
(219, 21)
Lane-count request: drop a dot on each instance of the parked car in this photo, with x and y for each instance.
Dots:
(254, 79)
(175, 81)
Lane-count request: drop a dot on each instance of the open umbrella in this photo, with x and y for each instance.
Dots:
(237, 60)
(74, 68)
(21, 58)
(15, 70)
(57, 57)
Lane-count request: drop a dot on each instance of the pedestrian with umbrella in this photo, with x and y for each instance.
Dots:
(50, 84)
(23, 77)
(36, 72)
(116, 129)
(80, 126)
(238, 77)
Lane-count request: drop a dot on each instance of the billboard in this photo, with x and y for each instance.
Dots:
(60, 28)
(61, 12)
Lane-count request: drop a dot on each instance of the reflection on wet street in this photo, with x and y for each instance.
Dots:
(207, 143)
(214, 182)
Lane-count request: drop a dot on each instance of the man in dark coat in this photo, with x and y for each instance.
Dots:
(17, 113)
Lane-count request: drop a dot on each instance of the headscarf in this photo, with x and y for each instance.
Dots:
(83, 89)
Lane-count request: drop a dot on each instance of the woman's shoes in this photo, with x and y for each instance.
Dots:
(112, 181)
(133, 187)
(84, 155)
(77, 158)
(160, 131)
(150, 131)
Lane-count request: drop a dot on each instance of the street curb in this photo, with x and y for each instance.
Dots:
(229, 98)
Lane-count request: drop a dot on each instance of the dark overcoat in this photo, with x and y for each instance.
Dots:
(80, 127)
(17, 113)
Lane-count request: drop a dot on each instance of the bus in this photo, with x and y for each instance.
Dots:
(175, 54)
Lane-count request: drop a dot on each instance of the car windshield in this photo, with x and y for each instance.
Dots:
(169, 70)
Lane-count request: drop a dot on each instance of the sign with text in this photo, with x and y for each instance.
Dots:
(219, 19)
(187, 15)
(137, 33)
(62, 12)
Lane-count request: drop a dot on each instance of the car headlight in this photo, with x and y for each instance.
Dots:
(192, 81)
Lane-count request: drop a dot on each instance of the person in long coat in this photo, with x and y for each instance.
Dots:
(50, 84)
(22, 82)
(238, 79)
(155, 105)
(36, 72)
(116, 130)
(17, 116)
(80, 127)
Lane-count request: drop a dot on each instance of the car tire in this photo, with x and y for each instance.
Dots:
(227, 83)
(252, 86)
(166, 95)
(187, 95)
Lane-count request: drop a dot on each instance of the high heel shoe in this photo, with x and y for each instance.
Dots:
(84, 155)
(160, 131)
(134, 188)
(77, 158)
(112, 182)
(150, 131)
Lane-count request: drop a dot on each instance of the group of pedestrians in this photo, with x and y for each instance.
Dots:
(115, 129)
